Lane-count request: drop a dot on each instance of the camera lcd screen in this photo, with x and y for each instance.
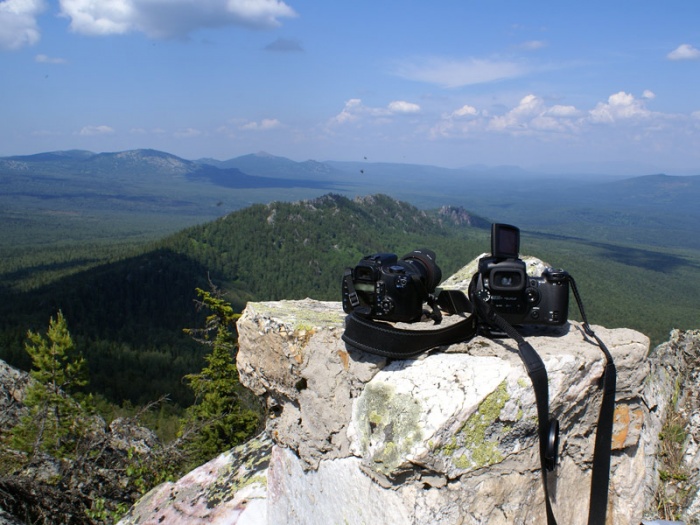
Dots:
(505, 241)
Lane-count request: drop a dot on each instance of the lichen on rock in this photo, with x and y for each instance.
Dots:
(479, 448)
(389, 426)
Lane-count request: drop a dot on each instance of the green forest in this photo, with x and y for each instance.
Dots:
(128, 304)
(151, 322)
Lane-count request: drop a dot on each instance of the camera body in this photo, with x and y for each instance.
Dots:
(517, 297)
(387, 288)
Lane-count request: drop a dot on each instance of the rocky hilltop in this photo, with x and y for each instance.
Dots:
(447, 438)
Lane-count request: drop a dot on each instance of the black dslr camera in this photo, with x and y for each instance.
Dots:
(386, 288)
(517, 297)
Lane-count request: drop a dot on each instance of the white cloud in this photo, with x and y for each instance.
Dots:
(620, 106)
(563, 111)
(684, 52)
(264, 125)
(464, 111)
(187, 133)
(401, 106)
(529, 107)
(170, 18)
(350, 112)
(18, 26)
(456, 73)
(355, 110)
(96, 130)
(45, 59)
(622, 114)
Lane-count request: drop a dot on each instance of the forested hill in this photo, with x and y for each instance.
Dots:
(127, 316)
(296, 250)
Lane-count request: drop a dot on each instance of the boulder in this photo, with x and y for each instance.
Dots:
(450, 437)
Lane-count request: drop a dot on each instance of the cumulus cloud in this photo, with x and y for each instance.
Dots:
(533, 116)
(95, 130)
(350, 112)
(620, 106)
(456, 73)
(264, 125)
(684, 52)
(18, 25)
(170, 18)
(464, 111)
(354, 110)
(401, 106)
(529, 107)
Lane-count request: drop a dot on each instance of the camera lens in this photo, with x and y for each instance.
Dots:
(423, 260)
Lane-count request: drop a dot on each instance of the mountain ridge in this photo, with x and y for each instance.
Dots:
(174, 192)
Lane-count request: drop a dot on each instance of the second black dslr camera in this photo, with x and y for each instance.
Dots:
(387, 288)
(517, 297)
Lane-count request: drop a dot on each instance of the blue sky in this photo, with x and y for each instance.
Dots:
(450, 83)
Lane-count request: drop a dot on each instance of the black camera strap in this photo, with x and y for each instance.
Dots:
(385, 340)
(547, 429)
(600, 477)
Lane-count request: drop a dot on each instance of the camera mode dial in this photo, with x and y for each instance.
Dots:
(532, 295)
(386, 306)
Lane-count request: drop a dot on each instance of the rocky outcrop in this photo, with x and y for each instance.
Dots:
(458, 216)
(13, 385)
(446, 438)
(45, 489)
(231, 489)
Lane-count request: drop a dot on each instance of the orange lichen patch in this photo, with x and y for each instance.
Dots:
(627, 426)
(345, 358)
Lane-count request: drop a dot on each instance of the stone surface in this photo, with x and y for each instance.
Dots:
(290, 352)
(449, 437)
(677, 365)
(13, 385)
(434, 436)
(229, 490)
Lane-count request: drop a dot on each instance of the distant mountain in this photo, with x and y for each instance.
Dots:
(266, 165)
(60, 196)
(654, 191)
(132, 166)
(173, 193)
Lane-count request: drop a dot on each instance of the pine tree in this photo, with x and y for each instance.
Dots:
(220, 416)
(54, 420)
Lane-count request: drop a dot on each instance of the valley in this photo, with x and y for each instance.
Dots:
(119, 242)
